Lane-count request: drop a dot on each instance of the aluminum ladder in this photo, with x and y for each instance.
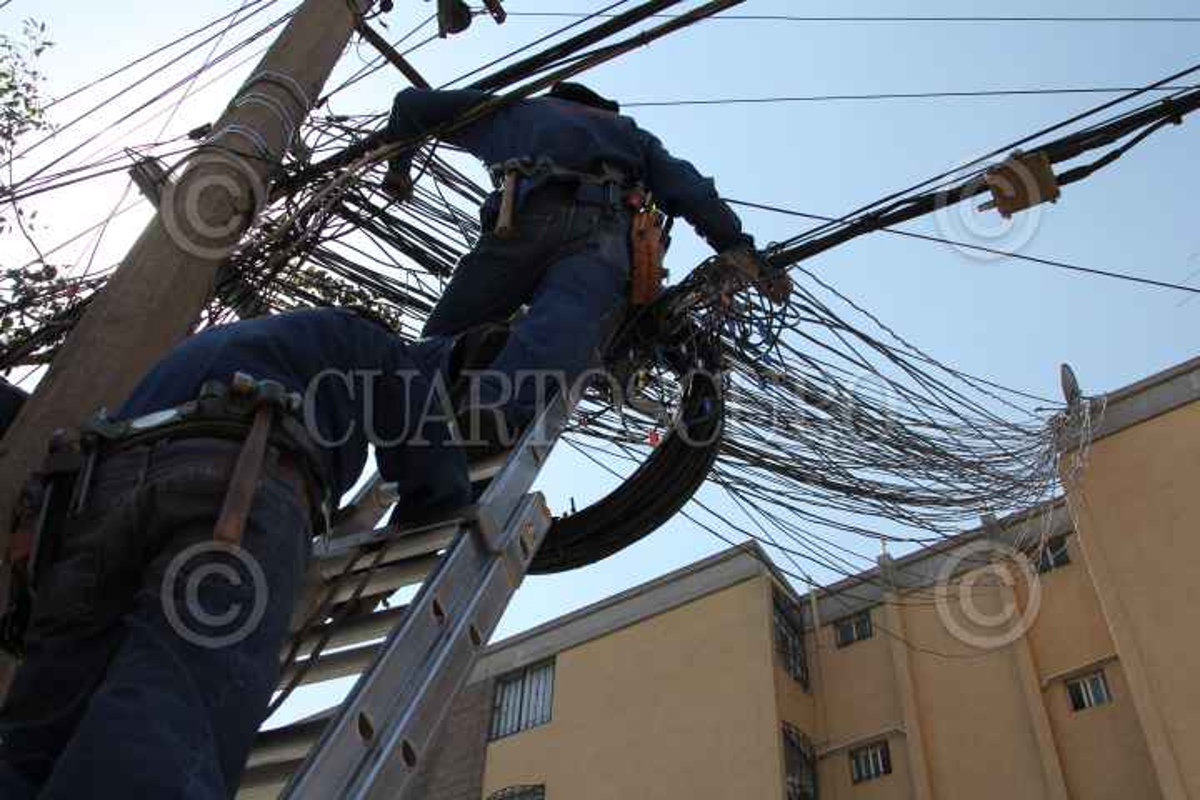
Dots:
(468, 569)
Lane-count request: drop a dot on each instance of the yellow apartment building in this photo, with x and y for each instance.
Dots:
(1074, 674)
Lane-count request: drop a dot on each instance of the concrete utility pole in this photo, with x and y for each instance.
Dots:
(163, 284)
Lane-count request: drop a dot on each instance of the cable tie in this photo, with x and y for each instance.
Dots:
(254, 137)
(276, 107)
(286, 82)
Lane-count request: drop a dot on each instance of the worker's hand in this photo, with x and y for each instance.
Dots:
(748, 266)
(398, 185)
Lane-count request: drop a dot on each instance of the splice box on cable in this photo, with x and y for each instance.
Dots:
(1023, 181)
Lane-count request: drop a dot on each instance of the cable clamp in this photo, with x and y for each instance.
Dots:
(149, 175)
(1175, 114)
(1023, 181)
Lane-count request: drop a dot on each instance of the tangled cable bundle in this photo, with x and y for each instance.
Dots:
(803, 426)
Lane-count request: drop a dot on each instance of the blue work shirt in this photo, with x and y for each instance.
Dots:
(575, 136)
(361, 383)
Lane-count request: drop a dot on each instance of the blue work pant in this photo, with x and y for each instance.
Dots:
(130, 692)
(569, 262)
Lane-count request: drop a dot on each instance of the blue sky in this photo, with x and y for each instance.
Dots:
(1009, 321)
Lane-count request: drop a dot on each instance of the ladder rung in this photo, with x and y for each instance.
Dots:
(419, 543)
(368, 507)
(391, 577)
(331, 666)
(267, 781)
(377, 497)
(352, 631)
(288, 743)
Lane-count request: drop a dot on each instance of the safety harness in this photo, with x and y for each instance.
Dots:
(649, 228)
(260, 414)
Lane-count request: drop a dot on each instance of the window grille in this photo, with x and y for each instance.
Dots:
(870, 762)
(800, 765)
(854, 629)
(1089, 690)
(789, 640)
(522, 700)
(519, 793)
(1053, 555)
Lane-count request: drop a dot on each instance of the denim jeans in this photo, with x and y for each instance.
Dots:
(133, 685)
(570, 263)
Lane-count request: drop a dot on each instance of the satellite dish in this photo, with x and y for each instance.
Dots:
(1070, 386)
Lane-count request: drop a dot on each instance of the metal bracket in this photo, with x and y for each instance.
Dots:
(149, 175)
(454, 16)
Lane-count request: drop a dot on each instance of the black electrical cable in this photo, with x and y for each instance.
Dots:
(794, 18)
(981, 248)
(143, 106)
(887, 96)
(894, 196)
(142, 59)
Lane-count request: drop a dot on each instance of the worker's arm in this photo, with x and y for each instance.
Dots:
(682, 191)
(418, 113)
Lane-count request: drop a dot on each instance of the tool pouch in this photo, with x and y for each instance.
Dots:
(648, 238)
(40, 512)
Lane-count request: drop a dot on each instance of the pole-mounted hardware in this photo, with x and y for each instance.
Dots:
(1023, 181)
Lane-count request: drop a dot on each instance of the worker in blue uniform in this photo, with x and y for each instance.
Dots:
(127, 689)
(557, 238)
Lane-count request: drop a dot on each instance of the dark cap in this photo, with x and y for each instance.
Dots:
(578, 93)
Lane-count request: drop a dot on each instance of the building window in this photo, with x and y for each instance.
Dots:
(519, 793)
(870, 762)
(854, 629)
(523, 700)
(789, 640)
(1088, 690)
(799, 764)
(1053, 555)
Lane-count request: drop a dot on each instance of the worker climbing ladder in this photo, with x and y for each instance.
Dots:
(468, 568)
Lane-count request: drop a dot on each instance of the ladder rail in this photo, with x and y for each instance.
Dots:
(381, 735)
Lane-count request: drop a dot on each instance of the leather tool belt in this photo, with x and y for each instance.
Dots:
(650, 228)
(507, 175)
(258, 414)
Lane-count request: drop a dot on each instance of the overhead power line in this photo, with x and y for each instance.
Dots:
(892, 96)
(895, 198)
(794, 18)
(980, 248)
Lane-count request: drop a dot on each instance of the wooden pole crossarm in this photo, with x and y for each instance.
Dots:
(392, 55)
